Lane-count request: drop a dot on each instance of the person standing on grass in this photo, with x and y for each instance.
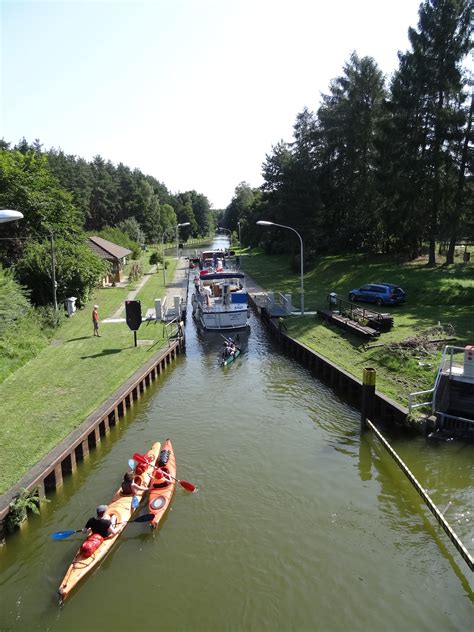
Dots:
(95, 320)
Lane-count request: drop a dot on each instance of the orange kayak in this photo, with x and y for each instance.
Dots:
(161, 491)
(120, 506)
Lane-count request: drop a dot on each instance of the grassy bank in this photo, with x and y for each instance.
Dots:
(43, 401)
(440, 295)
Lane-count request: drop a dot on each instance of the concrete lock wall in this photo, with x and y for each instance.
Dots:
(47, 475)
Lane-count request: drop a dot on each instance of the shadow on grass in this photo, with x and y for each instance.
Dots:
(102, 353)
(81, 338)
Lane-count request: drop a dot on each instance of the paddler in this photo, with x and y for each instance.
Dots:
(129, 487)
(161, 478)
(103, 524)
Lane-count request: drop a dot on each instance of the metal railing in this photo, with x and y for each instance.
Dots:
(356, 312)
(285, 303)
(447, 366)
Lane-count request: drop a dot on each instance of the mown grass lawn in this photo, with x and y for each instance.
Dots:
(43, 401)
(443, 294)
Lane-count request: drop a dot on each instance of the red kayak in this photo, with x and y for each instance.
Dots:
(162, 484)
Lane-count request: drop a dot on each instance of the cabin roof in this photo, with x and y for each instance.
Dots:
(107, 249)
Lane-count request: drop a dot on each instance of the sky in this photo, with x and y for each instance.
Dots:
(193, 92)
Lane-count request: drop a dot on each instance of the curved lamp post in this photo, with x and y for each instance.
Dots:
(177, 245)
(8, 215)
(262, 222)
(224, 228)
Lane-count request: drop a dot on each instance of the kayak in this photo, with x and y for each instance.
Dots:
(231, 358)
(120, 506)
(160, 493)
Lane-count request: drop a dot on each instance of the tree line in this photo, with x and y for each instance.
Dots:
(379, 167)
(65, 198)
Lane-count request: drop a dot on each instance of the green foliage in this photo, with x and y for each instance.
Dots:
(132, 228)
(25, 501)
(136, 271)
(78, 271)
(26, 184)
(22, 342)
(156, 258)
(14, 304)
(24, 331)
(121, 238)
(379, 169)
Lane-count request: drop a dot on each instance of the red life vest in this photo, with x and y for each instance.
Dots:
(140, 468)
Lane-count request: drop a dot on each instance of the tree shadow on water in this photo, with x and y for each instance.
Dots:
(102, 353)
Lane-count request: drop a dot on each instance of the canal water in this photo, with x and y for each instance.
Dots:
(299, 523)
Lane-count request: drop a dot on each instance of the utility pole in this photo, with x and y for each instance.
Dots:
(53, 271)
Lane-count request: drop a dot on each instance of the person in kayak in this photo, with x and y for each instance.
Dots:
(161, 478)
(103, 524)
(129, 487)
(229, 349)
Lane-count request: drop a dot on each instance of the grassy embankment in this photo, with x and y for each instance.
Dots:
(443, 294)
(44, 400)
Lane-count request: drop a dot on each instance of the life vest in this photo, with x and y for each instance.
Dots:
(91, 544)
(160, 478)
(140, 468)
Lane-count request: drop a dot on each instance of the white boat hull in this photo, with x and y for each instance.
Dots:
(222, 319)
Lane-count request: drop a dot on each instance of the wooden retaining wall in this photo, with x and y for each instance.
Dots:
(48, 473)
(345, 384)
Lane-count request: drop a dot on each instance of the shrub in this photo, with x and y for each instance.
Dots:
(25, 501)
(156, 258)
(136, 271)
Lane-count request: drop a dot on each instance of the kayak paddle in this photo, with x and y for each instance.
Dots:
(61, 535)
(185, 484)
(135, 502)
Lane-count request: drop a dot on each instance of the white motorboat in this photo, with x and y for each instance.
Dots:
(220, 300)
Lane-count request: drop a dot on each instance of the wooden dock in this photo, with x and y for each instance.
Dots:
(350, 325)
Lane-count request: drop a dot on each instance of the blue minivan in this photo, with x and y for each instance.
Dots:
(378, 293)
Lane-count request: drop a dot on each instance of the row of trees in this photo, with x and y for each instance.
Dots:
(68, 197)
(378, 168)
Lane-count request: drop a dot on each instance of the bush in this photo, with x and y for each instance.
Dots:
(25, 501)
(14, 303)
(156, 258)
(136, 271)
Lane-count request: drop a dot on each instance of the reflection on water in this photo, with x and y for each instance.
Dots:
(300, 522)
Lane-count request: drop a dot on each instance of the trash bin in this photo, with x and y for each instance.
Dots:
(466, 256)
(71, 305)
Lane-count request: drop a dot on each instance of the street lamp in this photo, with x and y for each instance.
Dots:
(8, 215)
(53, 270)
(178, 226)
(262, 222)
(230, 234)
(163, 257)
(240, 240)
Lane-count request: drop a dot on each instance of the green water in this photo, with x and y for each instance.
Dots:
(298, 524)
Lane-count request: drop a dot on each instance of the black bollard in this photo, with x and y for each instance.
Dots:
(368, 396)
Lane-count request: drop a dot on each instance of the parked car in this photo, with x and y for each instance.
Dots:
(379, 293)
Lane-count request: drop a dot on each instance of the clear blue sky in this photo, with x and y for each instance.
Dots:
(193, 92)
